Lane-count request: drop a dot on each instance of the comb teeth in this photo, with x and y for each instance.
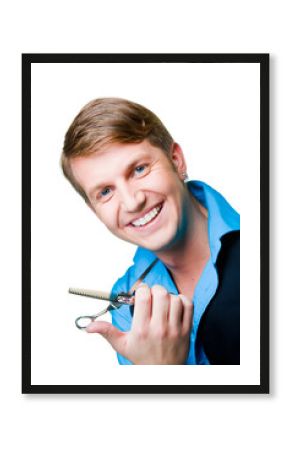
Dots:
(90, 293)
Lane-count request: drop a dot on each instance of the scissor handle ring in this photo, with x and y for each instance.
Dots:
(83, 327)
(92, 318)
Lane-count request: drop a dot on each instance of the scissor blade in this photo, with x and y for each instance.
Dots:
(99, 295)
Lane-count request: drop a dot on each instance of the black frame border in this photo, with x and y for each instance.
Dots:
(260, 58)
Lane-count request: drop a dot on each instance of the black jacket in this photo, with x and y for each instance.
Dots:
(219, 329)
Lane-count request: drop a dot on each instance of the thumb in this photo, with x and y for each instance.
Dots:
(114, 336)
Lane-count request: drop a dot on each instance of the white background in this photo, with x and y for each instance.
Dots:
(212, 110)
(207, 421)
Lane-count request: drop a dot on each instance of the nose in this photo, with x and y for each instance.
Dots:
(131, 199)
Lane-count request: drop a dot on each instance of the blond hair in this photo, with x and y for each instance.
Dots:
(106, 121)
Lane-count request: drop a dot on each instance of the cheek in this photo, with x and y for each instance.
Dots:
(164, 182)
(107, 213)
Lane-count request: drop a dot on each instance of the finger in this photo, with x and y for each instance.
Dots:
(175, 312)
(142, 306)
(115, 337)
(160, 305)
(187, 319)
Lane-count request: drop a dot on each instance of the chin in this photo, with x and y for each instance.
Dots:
(158, 245)
(157, 241)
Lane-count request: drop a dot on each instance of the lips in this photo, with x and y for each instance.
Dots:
(147, 218)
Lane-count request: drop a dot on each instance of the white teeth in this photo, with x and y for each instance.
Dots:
(147, 218)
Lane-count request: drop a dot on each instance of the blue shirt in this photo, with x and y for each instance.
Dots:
(222, 219)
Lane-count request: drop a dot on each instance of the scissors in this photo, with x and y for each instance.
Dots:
(115, 302)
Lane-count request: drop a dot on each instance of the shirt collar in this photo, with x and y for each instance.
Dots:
(222, 219)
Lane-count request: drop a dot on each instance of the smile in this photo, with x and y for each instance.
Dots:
(148, 217)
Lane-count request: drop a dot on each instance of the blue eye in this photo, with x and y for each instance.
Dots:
(140, 169)
(105, 192)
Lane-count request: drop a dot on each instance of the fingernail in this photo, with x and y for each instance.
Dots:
(89, 328)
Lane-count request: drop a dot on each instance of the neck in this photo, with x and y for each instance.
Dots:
(187, 259)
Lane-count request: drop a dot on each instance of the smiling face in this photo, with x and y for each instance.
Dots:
(137, 192)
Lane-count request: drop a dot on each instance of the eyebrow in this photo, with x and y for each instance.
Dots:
(126, 170)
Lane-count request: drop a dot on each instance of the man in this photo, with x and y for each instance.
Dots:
(122, 160)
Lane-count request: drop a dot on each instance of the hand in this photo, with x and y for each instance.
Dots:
(160, 328)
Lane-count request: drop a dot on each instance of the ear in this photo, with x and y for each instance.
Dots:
(178, 160)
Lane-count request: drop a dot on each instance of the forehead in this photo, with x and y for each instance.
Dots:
(105, 165)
